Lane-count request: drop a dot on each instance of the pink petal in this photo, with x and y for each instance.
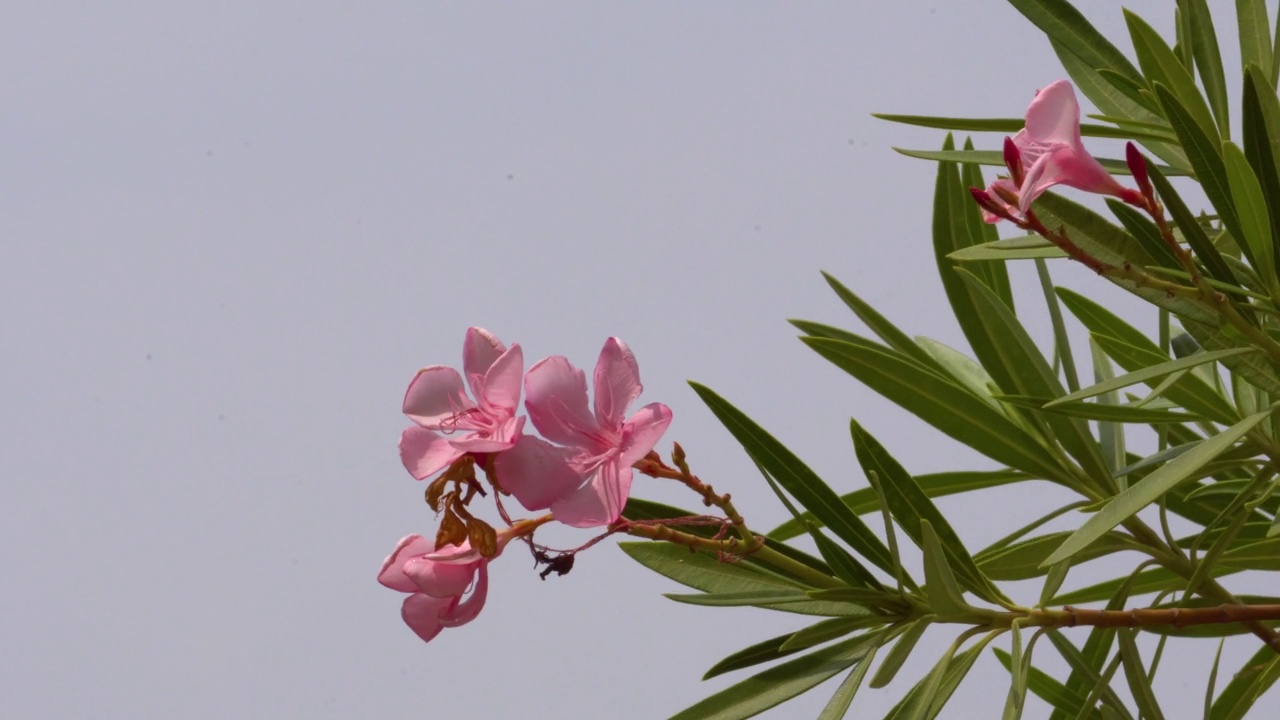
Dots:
(435, 397)
(425, 453)
(1054, 115)
(498, 390)
(422, 614)
(617, 382)
(556, 398)
(599, 502)
(643, 431)
(498, 439)
(392, 573)
(440, 579)
(467, 610)
(537, 473)
(480, 350)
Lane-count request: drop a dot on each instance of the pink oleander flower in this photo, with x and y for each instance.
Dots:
(586, 480)
(448, 423)
(438, 581)
(1050, 151)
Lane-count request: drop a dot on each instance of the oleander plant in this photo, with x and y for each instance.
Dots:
(1170, 451)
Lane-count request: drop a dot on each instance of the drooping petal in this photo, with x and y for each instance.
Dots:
(642, 432)
(1054, 115)
(498, 390)
(599, 502)
(480, 350)
(499, 438)
(464, 612)
(422, 614)
(440, 579)
(425, 453)
(392, 572)
(536, 472)
(616, 381)
(556, 399)
(435, 397)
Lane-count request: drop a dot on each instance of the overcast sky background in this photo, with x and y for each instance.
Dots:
(233, 232)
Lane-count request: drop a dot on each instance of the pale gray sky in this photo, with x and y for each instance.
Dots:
(233, 232)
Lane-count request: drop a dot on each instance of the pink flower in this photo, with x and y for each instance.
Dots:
(437, 402)
(438, 581)
(586, 482)
(1052, 152)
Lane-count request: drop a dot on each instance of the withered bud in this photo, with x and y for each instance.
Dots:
(452, 531)
(484, 539)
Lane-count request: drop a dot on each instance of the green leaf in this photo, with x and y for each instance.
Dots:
(1139, 684)
(1044, 686)
(1162, 67)
(761, 652)
(1011, 126)
(827, 630)
(1086, 669)
(1027, 373)
(708, 574)
(1017, 676)
(934, 485)
(1205, 154)
(1255, 677)
(780, 683)
(1255, 223)
(993, 275)
(899, 652)
(944, 592)
(995, 158)
(1146, 233)
(1208, 60)
(1098, 411)
(1150, 373)
(1024, 560)
(738, 599)
(941, 403)
(793, 475)
(1255, 33)
(885, 330)
(1262, 142)
(1147, 581)
(917, 515)
(1150, 488)
(1028, 248)
(839, 703)
(1134, 351)
(1064, 24)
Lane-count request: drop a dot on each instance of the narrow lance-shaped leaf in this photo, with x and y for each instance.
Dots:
(913, 509)
(1153, 372)
(1255, 32)
(944, 592)
(1136, 674)
(1150, 488)
(802, 483)
(899, 653)
(1255, 677)
(1261, 111)
(941, 403)
(779, 683)
(1208, 61)
(878, 324)
(1010, 126)
(1062, 22)
(1162, 67)
(1027, 373)
(1251, 207)
(1205, 154)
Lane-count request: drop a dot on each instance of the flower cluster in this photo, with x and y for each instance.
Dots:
(1048, 151)
(580, 469)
